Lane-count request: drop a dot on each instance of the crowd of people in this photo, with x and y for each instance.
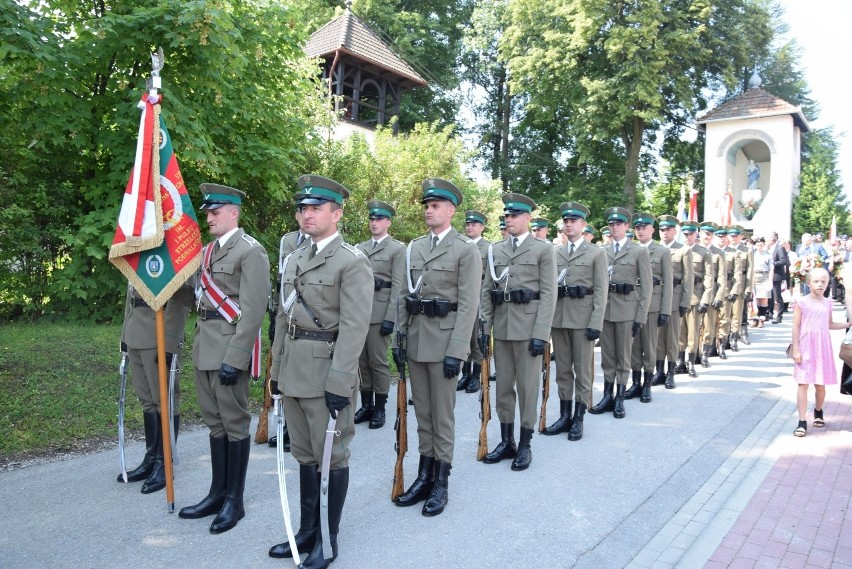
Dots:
(655, 307)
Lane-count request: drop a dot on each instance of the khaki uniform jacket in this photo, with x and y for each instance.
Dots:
(139, 329)
(337, 285)
(631, 265)
(586, 267)
(720, 274)
(289, 243)
(483, 244)
(734, 268)
(531, 266)
(387, 262)
(747, 264)
(683, 270)
(241, 269)
(452, 272)
(704, 280)
(661, 267)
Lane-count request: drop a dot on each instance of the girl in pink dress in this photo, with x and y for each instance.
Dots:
(811, 348)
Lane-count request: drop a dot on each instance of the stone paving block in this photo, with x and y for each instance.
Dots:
(820, 558)
(793, 560)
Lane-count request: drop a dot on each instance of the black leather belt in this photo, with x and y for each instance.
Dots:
(430, 307)
(655, 280)
(698, 280)
(322, 335)
(209, 314)
(677, 282)
(137, 302)
(380, 283)
(516, 296)
(571, 291)
(621, 288)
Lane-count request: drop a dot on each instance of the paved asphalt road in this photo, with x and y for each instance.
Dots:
(592, 503)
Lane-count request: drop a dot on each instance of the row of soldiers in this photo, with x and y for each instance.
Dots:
(337, 307)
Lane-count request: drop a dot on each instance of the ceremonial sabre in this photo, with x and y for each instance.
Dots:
(173, 371)
(330, 431)
(278, 410)
(122, 391)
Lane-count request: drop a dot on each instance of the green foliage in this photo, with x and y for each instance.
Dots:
(821, 193)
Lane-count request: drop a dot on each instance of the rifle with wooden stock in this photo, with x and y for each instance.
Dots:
(484, 396)
(545, 387)
(262, 433)
(401, 423)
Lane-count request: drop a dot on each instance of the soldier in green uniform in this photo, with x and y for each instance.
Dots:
(518, 300)
(234, 281)
(474, 225)
(582, 290)
(645, 345)
(606, 236)
(733, 270)
(626, 310)
(289, 243)
(739, 331)
(326, 301)
(539, 227)
(443, 275)
(139, 340)
(703, 290)
(683, 276)
(503, 232)
(720, 290)
(589, 233)
(387, 259)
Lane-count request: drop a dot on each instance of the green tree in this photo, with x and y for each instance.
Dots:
(820, 190)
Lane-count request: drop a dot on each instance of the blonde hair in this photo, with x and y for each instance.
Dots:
(814, 270)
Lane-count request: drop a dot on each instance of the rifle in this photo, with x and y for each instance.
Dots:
(262, 433)
(484, 398)
(401, 424)
(545, 387)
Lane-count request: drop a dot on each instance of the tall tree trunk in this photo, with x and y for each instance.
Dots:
(497, 135)
(507, 114)
(633, 146)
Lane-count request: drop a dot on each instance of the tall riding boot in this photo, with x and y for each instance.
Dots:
(660, 373)
(365, 413)
(338, 485)
(743, 336)
(607, 402)
(422, 486)
(151, 420)
(713, 352)
(725, 341)
(670, 382)
(157, 480)
(440, 495)
(506, 448)
(309, 501)
(232, 509)
(563, 423)
(212, 503)
(722, 354)
(523, 457)
(705, 355)
(691, 365)
(680, 366)
(465, 376)
(378, 419)
(646, 387)
(618, 404)
(475, 379)
(732, 339)
(576, 432)
(636, 385)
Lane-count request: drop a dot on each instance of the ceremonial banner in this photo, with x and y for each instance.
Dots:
(157, 243)
(693, 204)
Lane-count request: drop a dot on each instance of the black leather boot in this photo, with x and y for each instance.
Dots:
(232, 509)
(732, 339)
(273, 440)
(212, 503)
(157, 480)
(680, 366)
(338, 485)
(607, 402)
(705, 356)
(691, 365)
(378, 419)
(725, 341)
(660, 373)
(151, 421)
(523, 457)
(636, 385)
(422, 486)
(475, 380)
(743, 335)
(464, 380)
(712, 351)
(506, 448)
(563, 423)
(646, 387)
(365, 412)
(618, 404)
(309, 493)
(439, 496)
(576, 432)
(670, 382)
(722, 354)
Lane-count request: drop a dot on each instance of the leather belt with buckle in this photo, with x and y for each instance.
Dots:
(138, 302)
(209, 314)
(297, 333)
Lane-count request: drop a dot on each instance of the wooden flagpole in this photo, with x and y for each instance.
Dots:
(165, 422)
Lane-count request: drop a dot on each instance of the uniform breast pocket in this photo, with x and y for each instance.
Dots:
(321, 289)
(223, 274)
(442, 275)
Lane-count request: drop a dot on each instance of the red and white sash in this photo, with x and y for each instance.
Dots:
(229, 309)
